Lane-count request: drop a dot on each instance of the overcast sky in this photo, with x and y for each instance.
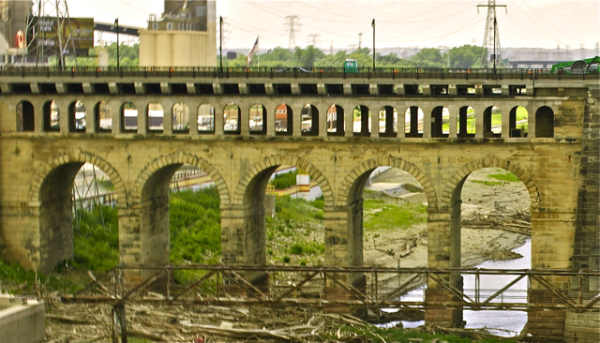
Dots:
(543, 24)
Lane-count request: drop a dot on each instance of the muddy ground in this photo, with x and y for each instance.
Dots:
(482, 196)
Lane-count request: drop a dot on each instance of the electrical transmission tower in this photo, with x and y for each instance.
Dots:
(293, 28)
(491, 37)
(313, 37)
(49, 31)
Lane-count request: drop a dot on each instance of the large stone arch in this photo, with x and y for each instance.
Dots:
(50, 203)
(180, 158)
(491, 162)
(77, 157)
(387, 161)
(277, 160)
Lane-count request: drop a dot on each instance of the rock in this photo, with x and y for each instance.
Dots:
(503, 255)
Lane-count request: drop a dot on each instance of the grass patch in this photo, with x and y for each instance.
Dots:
(16, 279)
(295, 234)
(380, 215)
(96, 239)
(510, 177)
(488, 183)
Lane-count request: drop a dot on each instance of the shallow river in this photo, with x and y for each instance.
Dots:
(511, 321)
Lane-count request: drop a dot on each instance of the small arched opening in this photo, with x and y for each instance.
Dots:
(518, 121)
(257, 120)
(231, 119)
(181, 118)
(440, 122)
(335, 121)
(361, 121)
(492, 122)
(309, 120)
(103, 115)
(129, 117)
(77, 120)
(544, 122)
(206, 118)
(284, 122)
(25, 117)
(465, 126)
(155, 117)
(413, 122)
(388, 119)
(51, 116)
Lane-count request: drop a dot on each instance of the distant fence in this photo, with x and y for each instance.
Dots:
(315, 73)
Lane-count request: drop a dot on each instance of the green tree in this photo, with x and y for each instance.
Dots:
(428, 57)
(306, 57)
(466, 56)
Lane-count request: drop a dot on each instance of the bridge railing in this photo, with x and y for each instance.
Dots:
(372, 288)
(274, 73)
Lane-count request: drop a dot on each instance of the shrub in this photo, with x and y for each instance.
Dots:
(296, 249)
(284, 180)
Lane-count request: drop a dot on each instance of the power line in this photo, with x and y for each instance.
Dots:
(423, 29)
(545, 20)
(293, 28)
(310, 27)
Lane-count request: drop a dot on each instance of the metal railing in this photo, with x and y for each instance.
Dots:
(373, 288)
(276, 73)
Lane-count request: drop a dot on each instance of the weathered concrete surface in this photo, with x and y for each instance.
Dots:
(37, 169)
(21, 322)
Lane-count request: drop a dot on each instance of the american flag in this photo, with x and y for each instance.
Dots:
(252, 52)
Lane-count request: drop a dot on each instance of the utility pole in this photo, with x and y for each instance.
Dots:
(360, 40)
(313, 37)
(221, 44)
(491, 33)
(373, 26)
(117, 28)
(293, 28)
(331, 48)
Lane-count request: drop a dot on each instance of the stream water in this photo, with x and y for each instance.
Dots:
(508, 323)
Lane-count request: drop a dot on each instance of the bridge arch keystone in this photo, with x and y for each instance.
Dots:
(76, 157)
(386, 161)
(491, 162)
(277, 160)
(180, 158)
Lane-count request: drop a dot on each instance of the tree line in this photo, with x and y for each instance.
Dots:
(466, 56)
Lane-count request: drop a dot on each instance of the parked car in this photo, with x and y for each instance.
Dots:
(293, 69)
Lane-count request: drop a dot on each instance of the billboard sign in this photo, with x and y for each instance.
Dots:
(81, 30)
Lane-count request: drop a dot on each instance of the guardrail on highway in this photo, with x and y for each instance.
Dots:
(274, 73)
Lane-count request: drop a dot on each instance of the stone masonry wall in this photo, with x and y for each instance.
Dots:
(236, 163)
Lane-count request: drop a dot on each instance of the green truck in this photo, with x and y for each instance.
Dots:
(585, 66)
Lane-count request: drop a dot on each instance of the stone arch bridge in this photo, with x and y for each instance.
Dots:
(47, 136)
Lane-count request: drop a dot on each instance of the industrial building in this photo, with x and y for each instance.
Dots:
(184, 36)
